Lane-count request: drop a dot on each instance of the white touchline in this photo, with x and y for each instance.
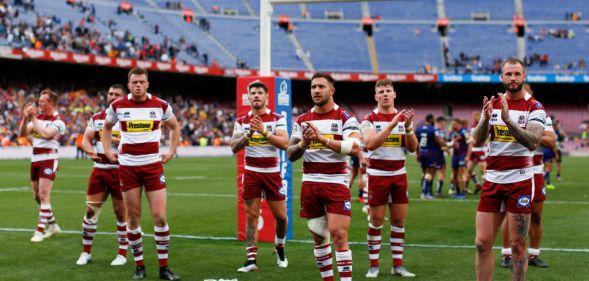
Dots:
(225, 238)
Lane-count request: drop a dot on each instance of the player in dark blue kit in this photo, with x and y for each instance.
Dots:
(458, 135)
(442, 136)
(428, 152)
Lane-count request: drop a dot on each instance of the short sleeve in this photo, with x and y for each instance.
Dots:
(111, 115)
(281, 124)
(90, 124)
(237, 128)
(297, 130)
(167, 111)
(350, 126)
(366, 124)
(60, 126)
(537, 114)
(548, 126)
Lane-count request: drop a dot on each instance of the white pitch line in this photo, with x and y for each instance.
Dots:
(191, 178)
(226, 238)
(226, 195)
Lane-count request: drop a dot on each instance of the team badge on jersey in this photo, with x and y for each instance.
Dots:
(48, 171)
(334, 127)
(347, 205)
(523, 201)
(163, 179)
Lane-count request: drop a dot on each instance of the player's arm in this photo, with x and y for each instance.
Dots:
(239, 139)
(481, 132)
(298, 143)
(441, 142)
(410, 138)
(89, 134)
(107, 141)
(279, 139)
(48, 132)
(372, 139)
(528, 137)
(172, 124)
(26, 127)
(548, 140)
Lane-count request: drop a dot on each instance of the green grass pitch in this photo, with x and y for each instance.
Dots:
(202, 205)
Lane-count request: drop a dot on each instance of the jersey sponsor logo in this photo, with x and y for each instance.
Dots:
(36, 135)
(139, 126)
(258, 140)
(347, 205)
(115, 134)
(523, 201)
(48, 171)
(393, 140)
(318, 145)
(334, 127)
(502, 134)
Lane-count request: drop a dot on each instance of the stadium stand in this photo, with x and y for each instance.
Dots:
(405, 36)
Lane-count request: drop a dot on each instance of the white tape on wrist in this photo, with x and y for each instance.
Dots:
(346, 147)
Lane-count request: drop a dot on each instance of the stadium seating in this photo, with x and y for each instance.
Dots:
(553, 10)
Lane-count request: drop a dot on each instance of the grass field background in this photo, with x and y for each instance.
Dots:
(202, 205)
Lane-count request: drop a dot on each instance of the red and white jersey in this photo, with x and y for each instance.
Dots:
(538, 160)
(321, 164)
(508, 160)
(96, 123)
(46, 149)
(260, 155)
(389, 158)
(140, 128)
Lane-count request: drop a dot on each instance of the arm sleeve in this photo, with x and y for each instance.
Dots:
(167, 112)
(350, 126)
(111, 115)
(297, 130)
(237, 128)
(60, 126)
(281, 124)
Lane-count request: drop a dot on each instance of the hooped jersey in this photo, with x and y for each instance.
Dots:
(140, 128)
(260, 155)
(389, 158)
(321, 164)
(96, 123)
(46, 149)
(510, 161)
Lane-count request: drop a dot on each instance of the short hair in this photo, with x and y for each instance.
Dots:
(257, 84)
(120, 87)
(429, 118)
(440, 119)
(53, 97)
(513, 61)
(383, 82)
(325, 76)
(137, 71)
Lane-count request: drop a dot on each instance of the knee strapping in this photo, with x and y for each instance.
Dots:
(94, 209)
(319, 227)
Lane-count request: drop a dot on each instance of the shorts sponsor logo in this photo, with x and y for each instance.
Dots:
(523, 201)
(163, 179)
(282, 190)
(347, 205)
(393, 140)
(258, 140)
(139, 126)
(502, 134)
(318, 145)
(48, 171)
(543, 190)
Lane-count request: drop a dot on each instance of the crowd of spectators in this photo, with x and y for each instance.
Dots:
(201, 123)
